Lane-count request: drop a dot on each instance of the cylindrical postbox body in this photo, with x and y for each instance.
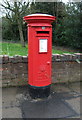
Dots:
(39, 53)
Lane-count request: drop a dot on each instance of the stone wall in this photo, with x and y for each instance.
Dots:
(65, 68)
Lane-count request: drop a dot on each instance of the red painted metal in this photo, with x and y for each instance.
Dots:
(39, 63)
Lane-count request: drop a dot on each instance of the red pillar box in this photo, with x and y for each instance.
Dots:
(39, 54)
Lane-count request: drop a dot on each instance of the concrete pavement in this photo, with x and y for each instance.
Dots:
(64, 102)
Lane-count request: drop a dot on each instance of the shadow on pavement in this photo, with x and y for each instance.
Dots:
(55, 106)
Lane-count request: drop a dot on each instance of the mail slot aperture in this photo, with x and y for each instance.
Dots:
(42, 32)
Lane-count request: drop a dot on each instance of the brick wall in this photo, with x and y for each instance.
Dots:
(65, 68)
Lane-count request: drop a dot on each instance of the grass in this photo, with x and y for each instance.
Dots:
(12, 49)
(60, 51)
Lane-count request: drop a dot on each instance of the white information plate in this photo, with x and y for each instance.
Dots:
(43, 45)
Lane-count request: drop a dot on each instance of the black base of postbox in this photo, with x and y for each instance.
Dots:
(39, 92)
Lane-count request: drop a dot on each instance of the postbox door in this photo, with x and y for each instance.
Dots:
(42, 61)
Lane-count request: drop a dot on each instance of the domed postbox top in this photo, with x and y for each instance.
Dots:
(39, 18)
(39, 14)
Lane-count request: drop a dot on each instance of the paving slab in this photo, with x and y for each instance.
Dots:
(11, 112)
(10, 103)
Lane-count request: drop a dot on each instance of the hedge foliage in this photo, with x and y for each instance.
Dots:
(67, 29)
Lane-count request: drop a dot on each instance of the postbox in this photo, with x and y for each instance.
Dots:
(39, 54)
